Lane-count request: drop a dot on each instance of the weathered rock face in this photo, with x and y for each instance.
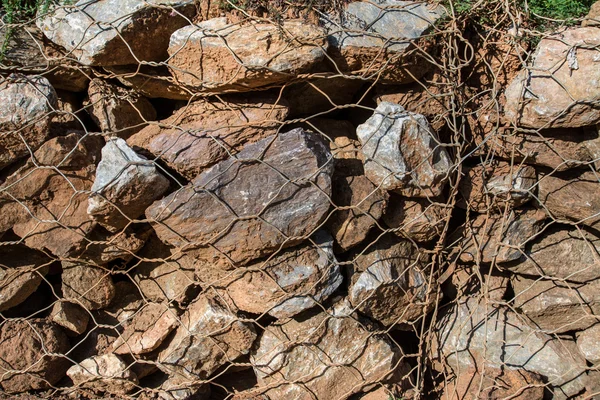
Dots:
(208, 131)
(366, 205)
(402, 153)
(111, 32)
(215, 56)
(593, 17)
(106, 373)
(495, 186)
(474, 333)
(421, 220)
(286, 284)
(501, 239)
(470, 281)
(571, 197)
(328, 357)
(561, 253)
(209, 336)
(558, 307)
(390, 282)
(148, 328)
(70, 316)
(25, 363)
(118, 111)
(21, 272)
(217, 212)
(588, 342)
(88, 285)
(27, 105)
(558, 90)
(125, 185)
(152, 82)
(392, 30)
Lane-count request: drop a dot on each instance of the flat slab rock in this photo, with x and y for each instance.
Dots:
(217, 213)
(402, 153)
(205, 132)
(208, 337)
(125, 185)
(116, 32)
(557, 307)
(25, 363)
(393, 27)
(558, 90)
(475, 334)
(389, 282)
(287, 283)
(216, 56)
(328, 356)
(26, 109)
(105, 373)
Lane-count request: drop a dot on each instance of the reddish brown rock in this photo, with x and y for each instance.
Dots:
(88, 285)
(472, 281)
(593, 17)
(216, 56)
(70, 316)
(216, 213)
(421, 220)
(362, 205)
(118, 111)
(151, 81)
(25, 360)
(25, 115)
(208, 131)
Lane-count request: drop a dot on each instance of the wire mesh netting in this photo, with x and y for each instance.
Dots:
(299, 199)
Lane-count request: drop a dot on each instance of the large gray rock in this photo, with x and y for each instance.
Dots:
(208, 337)
(116, 32)
(558, 90)
(216, 56)
(292, 281)
(286, 179)
(377, 39)
(562, 253)
(557, 307)
(207, 131)
(390, 282)
(125, 185)
(105, 373)
(474, 333)
(26, 109)
(588, 342)
(402, 153)
(328, 356)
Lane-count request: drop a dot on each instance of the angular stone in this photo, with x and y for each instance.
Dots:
(498, 238)
(209, 337)
(110, 32)
(105, 373)
(125, 185)
(217, 213)
(163, 273)
(557, 307)
(180, 388)
(215, 56)
(70, 316)
(571, 197)
(561, 253)
(116, 110)
(387, 51)
(558, 90)
(471, 281)
(88, 285)
(476, 334)
(402, 153)
(495, 186)
(150, 81)
(325, 356)
(588, 342)
(148, 328)
(421, 220)
(21, 272)
(363, 205)
(390, 282)
(593, 17)
(25, 360)
(25, 115)
(208, 131)
(101, 247)
(292, 281)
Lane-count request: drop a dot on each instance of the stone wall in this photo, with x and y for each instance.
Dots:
(350, 200)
